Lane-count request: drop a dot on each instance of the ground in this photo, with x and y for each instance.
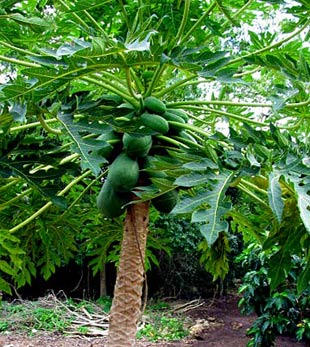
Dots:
(215, 324)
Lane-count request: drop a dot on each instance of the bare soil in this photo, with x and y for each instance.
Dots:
(216, 325)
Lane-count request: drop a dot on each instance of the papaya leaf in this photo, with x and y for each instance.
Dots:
(211, 235)
(275, 195)
(212, 206)
(35, 159)
(280, 263)
(6, 268)
(18, 111)
(303, 198)
(4, 286)
(223, 8)
(189, 203)
(193, 179)
(204, 164)
(145, 193)
(33, 21)
(140, 45)
(215, 258)
(200, 55)
(89, 149)
(283, 140)
(304, 278)
(162, 183)
(69, 49)
(294, 171)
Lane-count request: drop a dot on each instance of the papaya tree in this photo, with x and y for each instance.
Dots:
(132, 96)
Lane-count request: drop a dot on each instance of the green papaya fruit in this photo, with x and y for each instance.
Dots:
(137, 146)
(155, 122)
(179, 113)
(155, 105)
(112, 139)
(123, 173)
(169, 116)
(166, 202)
(109, 202)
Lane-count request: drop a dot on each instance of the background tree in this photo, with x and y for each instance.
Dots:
(90, 74)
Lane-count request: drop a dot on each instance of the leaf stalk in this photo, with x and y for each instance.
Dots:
(48, 204)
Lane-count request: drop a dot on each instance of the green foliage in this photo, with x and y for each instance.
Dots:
(207, 204)
(4, 326)
(84, 146)
(215, 258)
(280, 311)
(303, 330)
(105, 302)
(34, 318)
(52, 314)
(102, 243)
(49, 320)
(164, 328)
(78, 70)
(180, 271)
(47, 242)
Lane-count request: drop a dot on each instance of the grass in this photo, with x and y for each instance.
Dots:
(161, 324)
(51, 314)
(31, 317)
(163, 328)
(88, 318)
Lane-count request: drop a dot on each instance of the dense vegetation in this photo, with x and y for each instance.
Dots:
(194, 108)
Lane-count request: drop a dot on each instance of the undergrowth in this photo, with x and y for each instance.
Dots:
(85, 318)
(159, 323)
(53, 314)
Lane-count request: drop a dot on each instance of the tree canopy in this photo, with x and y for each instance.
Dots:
(73, 70)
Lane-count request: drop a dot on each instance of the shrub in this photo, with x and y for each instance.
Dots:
(280, 311)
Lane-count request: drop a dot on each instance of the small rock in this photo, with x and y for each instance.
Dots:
(211, 319)
(196, 331)
(236, 325)
(200, 321)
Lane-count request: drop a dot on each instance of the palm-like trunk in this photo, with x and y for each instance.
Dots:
(126, 306)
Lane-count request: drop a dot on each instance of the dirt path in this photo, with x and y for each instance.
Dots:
(232, 333)
(217, 325)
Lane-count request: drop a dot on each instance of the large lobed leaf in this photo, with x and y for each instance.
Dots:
(208, 206)
(275, 195)
(38, 163)
(295, 172)
(88, 148)
(303, 197)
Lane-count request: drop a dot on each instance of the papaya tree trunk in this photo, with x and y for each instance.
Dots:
(126, 305)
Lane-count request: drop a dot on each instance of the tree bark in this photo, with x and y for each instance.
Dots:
(103, 282)
(126, 305)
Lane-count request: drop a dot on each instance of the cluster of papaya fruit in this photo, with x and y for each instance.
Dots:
(157, 116)
(129, 165)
